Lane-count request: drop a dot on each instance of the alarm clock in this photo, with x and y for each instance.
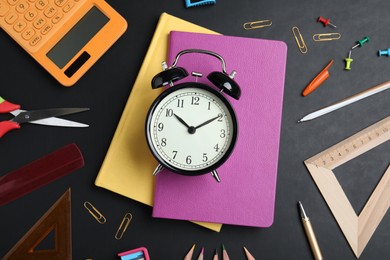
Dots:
(191, 128)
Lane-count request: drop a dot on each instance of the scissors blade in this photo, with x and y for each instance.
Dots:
(52, 121)
(47, 116)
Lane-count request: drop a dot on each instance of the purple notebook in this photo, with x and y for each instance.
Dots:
(246, 194)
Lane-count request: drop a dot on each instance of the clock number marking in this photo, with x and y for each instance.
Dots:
(205, 158)
(160, 127)
(188, 159)
(180, 103)
(223, 134)
(195, 156)
(169, 112)
(195, 101)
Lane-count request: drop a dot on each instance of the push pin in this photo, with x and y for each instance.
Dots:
(348, 61)
(384, 52)
(361, 42)
(326, 22)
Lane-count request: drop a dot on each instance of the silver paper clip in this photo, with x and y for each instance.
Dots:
(299, 39)
(123, 226)
(326, 37)
(94, 212)
(257, 24)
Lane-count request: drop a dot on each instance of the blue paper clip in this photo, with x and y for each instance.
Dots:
(192, 3)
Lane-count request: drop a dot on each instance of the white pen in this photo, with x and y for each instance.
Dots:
(347, 101)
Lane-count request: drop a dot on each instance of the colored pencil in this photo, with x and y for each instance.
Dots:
(225, 256)
(248, 255)
(215, 255)
(200, 257)
(189, 254)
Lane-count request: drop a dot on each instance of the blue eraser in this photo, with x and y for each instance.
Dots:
(192, 3)
(135, 254)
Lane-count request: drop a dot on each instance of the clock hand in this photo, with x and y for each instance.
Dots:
(181, 120)
(207, 122)
(190, 129)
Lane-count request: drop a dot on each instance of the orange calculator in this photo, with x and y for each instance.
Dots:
(65, 36)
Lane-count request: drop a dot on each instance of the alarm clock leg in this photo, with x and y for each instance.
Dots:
(214, 173)
(158, 169)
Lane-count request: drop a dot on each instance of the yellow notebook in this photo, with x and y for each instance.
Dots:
(128, 166)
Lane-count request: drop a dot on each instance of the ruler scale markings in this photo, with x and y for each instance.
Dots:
(357, 229)
(356, 144)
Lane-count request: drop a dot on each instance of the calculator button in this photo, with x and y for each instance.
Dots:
(57, 17)
(20, 25)
(50, 11)
(60, 2)
(68, 6)
(41, 4)
(3, 8)
(12, 2)
(39, 22)
(46, 29)
(28, 33)
(30, 14)
(22, 6)
(35, 40)
(11, 18)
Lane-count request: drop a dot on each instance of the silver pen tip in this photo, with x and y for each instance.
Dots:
(302, 210)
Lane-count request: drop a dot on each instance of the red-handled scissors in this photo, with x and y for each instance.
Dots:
(43, 117)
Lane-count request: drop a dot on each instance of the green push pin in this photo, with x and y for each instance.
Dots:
(361, 42)
(348, 62)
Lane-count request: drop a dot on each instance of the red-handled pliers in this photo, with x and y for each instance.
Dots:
(43, 117)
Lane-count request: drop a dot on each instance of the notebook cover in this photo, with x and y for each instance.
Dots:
(128, 166)
(246, 194)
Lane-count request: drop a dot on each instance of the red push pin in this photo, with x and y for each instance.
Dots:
(326, 22)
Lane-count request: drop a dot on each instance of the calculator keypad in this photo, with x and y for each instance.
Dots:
(31, 21)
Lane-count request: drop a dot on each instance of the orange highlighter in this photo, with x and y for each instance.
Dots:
(318, 80)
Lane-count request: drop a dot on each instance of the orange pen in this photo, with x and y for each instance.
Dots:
(318, 80)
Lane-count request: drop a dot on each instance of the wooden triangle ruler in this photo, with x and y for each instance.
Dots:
(57, 219)
(357, 229)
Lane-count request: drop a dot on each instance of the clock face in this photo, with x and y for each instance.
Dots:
(191, 129)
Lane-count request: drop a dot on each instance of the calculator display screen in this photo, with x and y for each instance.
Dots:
(77, 37)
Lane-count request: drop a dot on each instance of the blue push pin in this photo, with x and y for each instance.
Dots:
(384, 52)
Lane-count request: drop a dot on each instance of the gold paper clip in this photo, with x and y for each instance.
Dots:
(326, 37)
(94, 212)
(257, 24)
(123, 226)
(298, 38)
